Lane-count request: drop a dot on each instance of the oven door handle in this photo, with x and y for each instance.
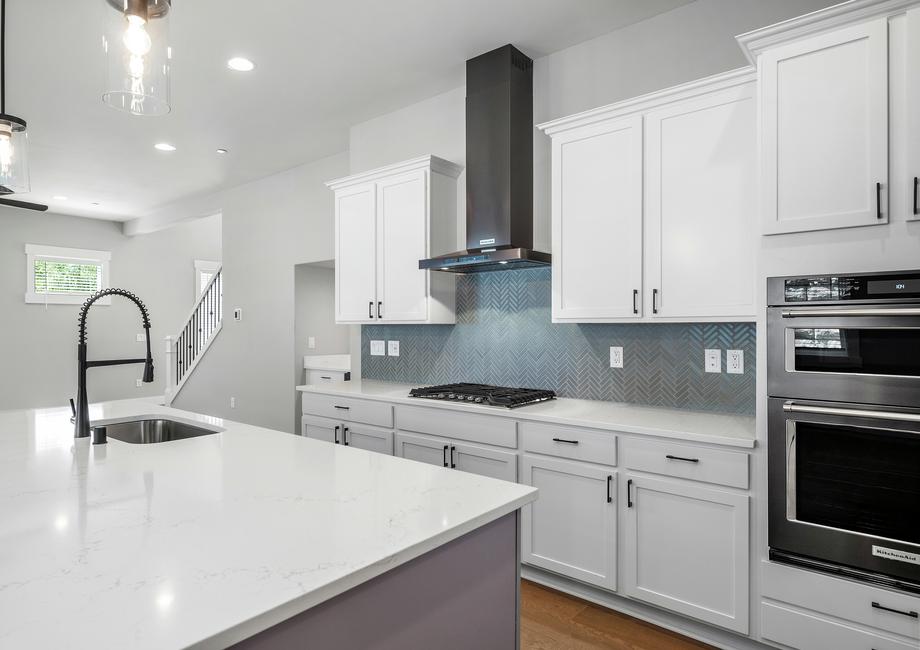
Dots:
(792, 407)
(874, 311)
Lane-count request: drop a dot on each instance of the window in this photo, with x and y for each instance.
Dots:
(204, 271)
(65, 276)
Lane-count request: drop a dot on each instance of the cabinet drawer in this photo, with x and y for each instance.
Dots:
(473, 427)
(570, 442)
(319, 377)
(352, 410)
(844, 599)
(687, 461)
(806, 631)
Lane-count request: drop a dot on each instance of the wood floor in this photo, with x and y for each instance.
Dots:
(551, 620)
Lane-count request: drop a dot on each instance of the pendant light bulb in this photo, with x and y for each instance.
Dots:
(136, 39)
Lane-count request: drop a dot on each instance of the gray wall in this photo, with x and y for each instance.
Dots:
(269, 226)
(314, 315)
(39, 360)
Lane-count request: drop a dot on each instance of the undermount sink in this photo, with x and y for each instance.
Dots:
(152, 430)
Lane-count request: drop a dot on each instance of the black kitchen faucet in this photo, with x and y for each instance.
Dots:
(81, 414)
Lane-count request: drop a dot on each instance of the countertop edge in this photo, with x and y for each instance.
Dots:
(522, 414)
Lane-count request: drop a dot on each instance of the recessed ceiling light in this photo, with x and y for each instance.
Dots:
(240, 64)
(164, 146)
(94, 203)
(222, 151)
(59, 198)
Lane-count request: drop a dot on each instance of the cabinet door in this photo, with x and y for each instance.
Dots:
(571, 528)
(321, 429)
(913, 113)
(355, 254)
(687, 549)
(700, 192)
(597, 222)
(424, 449)
(484, 461)
(824, 104)
(369, 438)
(402, 233)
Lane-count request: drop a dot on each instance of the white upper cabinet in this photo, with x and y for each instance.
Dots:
(913, 113)
(386, 221)
(597, 224)
(824, 121)
(700, 184)
(687, 251)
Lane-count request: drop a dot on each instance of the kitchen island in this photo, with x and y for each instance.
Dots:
(247, 536)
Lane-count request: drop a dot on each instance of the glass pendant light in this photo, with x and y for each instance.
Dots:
(14, 141)
(137, 56)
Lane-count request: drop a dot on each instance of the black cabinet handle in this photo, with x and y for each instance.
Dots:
(629, 503)
(568, 442)
(609, 481)
(445, 454)
(453, 464)
(878, 200)
(654, 301)
(635, 301)
(342, 408)
(686, 460)
(370, 309)
(336, 435)
(916, 200)
(325, 377)
(875, 605)
(345, 436)
(379, 305)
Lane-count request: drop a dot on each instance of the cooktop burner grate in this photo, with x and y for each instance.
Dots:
(484, 394)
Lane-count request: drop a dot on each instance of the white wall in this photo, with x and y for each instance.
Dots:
(269, 226)
(39, 361)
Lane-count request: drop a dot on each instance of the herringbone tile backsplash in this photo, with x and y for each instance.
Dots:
(504, 336)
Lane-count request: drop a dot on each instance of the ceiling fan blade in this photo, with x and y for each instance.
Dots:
(22, 204)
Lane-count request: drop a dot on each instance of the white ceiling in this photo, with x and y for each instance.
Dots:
(321, 67)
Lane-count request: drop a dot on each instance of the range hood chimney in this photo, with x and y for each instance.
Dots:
(499, 167)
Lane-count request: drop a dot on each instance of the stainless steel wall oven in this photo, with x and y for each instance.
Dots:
(843, 366)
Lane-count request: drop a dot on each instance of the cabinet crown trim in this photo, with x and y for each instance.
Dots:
(435, 164)
(755, 42)
(651, 100)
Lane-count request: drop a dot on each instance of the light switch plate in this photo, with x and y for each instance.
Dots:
(138, 383)
(616, 356)
(734, 362)
(378, 348)
(393, 348)
(238, 313)
(311, 342)
(140, 338)
(713, 360)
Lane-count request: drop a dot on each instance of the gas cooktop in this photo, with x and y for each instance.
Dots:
(484, 394)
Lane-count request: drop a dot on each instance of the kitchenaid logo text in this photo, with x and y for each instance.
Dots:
(895, 554)
(486, 242)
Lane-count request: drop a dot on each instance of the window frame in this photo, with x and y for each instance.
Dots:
(204, 266)
(61, 254)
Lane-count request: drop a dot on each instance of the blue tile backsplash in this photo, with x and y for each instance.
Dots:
(504, 335)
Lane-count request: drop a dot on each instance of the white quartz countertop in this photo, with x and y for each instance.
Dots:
(716, 428)
(205, 541)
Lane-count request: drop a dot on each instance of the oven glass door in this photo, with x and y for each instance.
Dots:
(855, 479)
(854, 350)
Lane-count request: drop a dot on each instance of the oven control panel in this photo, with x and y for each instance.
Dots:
(897, 287)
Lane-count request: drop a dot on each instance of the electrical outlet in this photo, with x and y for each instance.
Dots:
(233, 402)
(140, 338)
(616, 356)
(138, 383)
(311, 342)
(713, 360)
(378, 348)
(734, 362)
(393, 348)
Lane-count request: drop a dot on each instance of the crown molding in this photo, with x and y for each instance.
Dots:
(433, 163)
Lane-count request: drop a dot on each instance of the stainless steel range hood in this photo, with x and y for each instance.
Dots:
(499, 167)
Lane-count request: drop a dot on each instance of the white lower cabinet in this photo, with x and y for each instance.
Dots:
(475, 459)
(572, 527)
(686, 549)
(348, 434)
(808, 631)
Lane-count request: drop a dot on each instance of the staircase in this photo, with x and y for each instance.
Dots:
(183, 352)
